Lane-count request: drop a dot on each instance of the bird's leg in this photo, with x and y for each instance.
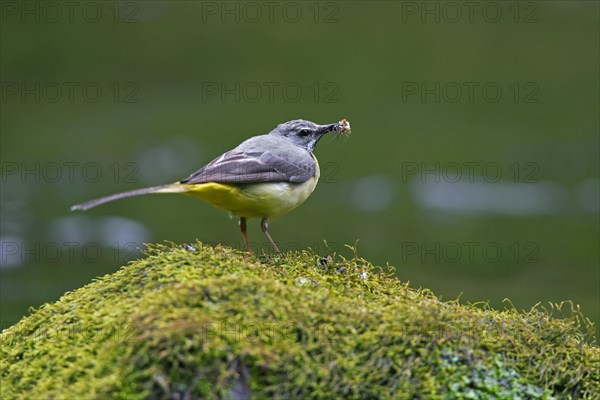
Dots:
(264, 224)
(243, 229)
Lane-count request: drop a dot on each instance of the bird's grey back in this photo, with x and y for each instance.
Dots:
(264, 158)
(279, 147)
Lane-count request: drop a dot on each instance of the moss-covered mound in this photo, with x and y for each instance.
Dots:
(203, 322)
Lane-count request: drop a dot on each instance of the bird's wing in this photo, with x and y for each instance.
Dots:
(237, 166)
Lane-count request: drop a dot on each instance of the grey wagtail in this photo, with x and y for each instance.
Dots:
(265, 177)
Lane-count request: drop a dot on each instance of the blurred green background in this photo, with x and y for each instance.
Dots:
(472, 167)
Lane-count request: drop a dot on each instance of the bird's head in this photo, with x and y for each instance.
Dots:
(306, 134)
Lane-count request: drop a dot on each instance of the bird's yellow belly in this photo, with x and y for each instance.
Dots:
(254, 200)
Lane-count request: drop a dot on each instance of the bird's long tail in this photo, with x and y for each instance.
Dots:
(172, 188)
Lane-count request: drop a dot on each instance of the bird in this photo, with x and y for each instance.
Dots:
(264, 177)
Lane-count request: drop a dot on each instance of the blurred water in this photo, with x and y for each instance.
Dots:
(504, 198)
(588, 193)
(170, 161)
(373, 193)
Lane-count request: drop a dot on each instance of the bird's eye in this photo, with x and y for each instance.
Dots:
(304, 132)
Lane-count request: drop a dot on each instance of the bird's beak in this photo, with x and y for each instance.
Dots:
(323, 129)
(342, 128)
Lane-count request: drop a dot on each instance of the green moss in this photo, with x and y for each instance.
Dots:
(210, 322)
